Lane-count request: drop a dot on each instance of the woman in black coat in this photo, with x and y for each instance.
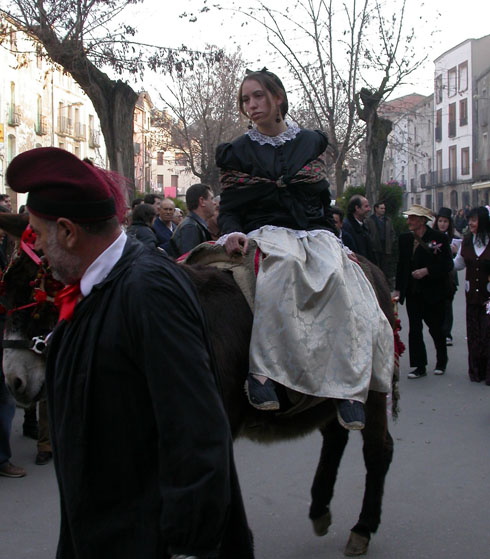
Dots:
(141, 222)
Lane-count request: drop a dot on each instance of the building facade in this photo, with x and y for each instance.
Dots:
(41, 106)
(159, 167)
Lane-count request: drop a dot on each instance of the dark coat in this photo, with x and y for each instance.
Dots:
(163, 233)
(360, 237)
(142, 446)
(439, 262)
(143, 233)
(189, 233)
(477, 272)
(385, 247)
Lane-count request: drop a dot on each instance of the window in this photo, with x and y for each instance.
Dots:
(438, 88)
(160, 158)
(181, 159)
(451, 83)
(439, 166)
(451, 128)
(438, 125)
(428, 201)
(463, 112)
(465, 161)
(174, 180)
(160, 183)
(463, 76)
(452, 164)
(11, 148)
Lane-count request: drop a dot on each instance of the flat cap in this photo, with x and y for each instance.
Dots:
(61, 185)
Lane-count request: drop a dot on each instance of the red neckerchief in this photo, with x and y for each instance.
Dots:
(66, 299)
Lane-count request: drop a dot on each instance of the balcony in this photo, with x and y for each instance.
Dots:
(93, 138)
(65, 126)
(41, 126)
(14, 115)
(80, 131)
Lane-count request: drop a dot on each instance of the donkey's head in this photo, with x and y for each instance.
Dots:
(29, 314)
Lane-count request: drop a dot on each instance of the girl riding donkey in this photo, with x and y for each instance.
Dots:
(317, 328)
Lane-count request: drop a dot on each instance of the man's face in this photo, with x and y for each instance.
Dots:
(65, 266)
(208, 205)
(338, 221)
(362, 210)
(415, 222)
(380, 210)
(166, 211)
(6, 203)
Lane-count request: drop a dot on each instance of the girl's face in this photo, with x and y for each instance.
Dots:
(259, 104)
(443, 224)
(473, 224)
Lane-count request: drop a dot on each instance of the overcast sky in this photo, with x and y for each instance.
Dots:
(452, 20)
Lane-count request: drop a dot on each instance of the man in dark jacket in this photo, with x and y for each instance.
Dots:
(382, 236)
(142, 446)
(422, 276)
(194, 230)
(357, 211)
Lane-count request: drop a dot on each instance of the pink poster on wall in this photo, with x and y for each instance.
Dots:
(170, 191)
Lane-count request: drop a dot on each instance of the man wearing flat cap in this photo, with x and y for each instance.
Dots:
(142, 446)
(422, 279)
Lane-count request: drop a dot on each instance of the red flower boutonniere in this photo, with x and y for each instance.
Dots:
(435, 247)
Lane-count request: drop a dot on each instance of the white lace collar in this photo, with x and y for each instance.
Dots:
(290, 133)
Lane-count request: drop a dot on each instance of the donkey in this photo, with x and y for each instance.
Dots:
(229, 320)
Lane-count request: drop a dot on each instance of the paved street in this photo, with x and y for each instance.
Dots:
(437, 497)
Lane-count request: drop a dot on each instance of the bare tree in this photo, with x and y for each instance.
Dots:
(395, 59)
(204, 104)
(83, 36)
(326, 48)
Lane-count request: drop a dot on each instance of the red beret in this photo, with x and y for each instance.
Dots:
(61, 185)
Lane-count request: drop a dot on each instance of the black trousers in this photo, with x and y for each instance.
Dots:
(433, 315)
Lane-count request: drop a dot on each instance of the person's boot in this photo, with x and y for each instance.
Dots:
(350, 414)
(261, 396)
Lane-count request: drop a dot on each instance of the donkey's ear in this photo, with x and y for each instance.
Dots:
(13, 224)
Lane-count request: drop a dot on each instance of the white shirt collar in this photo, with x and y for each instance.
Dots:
(102, 265)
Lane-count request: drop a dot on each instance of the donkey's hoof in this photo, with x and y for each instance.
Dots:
(357, 545)
(322, 524)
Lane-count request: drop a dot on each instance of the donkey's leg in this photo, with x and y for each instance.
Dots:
(378, 452)
(334, 440)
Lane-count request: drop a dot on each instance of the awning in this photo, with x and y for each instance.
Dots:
(478, 185)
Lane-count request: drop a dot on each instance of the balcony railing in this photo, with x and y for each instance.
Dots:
(41, 126)
(93, 138)
(80, 131)
(65, 126)
(14, 115)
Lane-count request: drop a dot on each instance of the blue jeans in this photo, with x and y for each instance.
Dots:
(7, 411)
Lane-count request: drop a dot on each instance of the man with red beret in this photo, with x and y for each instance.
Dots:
(143, 451)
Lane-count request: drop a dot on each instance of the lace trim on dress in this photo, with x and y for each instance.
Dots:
(290, 133)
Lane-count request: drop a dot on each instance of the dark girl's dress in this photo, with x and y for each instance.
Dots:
(475, 257)
(318, 328)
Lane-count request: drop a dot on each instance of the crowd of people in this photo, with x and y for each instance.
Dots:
(159, 433)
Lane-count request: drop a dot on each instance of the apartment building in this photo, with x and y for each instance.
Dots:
(40, 105)
(159, 167)
(457, 131)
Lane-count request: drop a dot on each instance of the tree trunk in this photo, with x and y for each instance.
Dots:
(377, 132)
(113, 101)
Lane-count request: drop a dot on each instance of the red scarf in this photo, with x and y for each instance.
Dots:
(66, 299)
